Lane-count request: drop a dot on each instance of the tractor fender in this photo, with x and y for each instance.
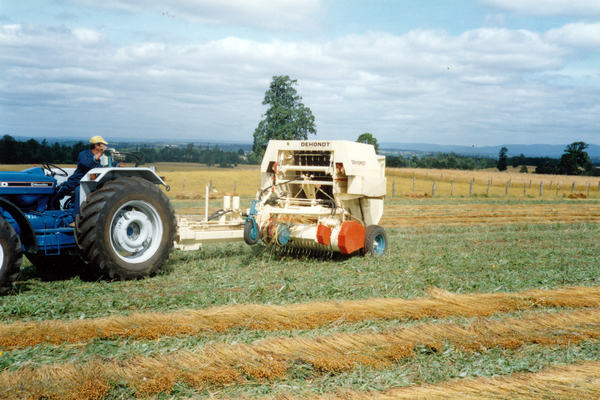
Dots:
(27, 236)
(99, 176)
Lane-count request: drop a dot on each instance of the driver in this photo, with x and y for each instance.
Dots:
(88, 159)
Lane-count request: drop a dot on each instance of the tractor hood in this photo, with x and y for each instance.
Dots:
(27, 187)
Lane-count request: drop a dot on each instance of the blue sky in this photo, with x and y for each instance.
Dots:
(481, 72)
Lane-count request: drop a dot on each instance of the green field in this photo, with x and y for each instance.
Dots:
(460, 250)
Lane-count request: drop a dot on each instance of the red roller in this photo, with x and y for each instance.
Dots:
(351, 237)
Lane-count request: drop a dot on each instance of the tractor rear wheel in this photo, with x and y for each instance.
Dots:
(11, 256)
(126, 229)
(375, 241)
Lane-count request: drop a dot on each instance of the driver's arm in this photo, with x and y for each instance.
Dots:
(88, 160)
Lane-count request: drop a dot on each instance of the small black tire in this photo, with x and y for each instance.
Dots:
(126, 229)
(11, 256)
(375, 241)
(250, 234)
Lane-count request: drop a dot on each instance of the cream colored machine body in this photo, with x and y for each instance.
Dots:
(315, 195)
(321, 195)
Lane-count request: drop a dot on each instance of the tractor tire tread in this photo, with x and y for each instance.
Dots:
(92, 217)
(13, 260)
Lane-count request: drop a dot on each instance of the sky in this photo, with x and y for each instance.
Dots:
(450, 72)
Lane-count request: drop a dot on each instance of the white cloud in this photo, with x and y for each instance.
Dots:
(582, 8)
(281, 15)
(485, 86)
(578, 35)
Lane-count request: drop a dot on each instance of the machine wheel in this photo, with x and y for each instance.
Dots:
(126, 229)
(11, 256)
(375, 241)
(250, 234)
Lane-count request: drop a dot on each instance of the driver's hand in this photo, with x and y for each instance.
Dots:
(121, 164)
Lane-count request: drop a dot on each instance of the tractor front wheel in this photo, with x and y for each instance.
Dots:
(126, 229)
(11, 256)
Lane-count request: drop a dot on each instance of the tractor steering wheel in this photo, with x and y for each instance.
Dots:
(47, 166)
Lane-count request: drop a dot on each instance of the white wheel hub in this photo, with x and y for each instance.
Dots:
(136, 231)
(1, 257)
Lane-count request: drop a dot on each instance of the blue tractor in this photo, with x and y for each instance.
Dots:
(117, 223)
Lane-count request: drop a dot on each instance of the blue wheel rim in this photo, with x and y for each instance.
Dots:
(379, 244)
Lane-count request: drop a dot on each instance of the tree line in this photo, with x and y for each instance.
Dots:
(13, 151)
(441, 161)
(574, 161)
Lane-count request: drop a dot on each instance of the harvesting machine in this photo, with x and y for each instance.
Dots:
(323, 196)
(315, 196)
(320, 195)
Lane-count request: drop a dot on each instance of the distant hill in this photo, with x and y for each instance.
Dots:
(531, 150)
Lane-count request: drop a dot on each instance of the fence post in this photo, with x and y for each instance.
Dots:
(452, 188)
(471, 189)
(550, 185)
(184, 184)
(507, 185)
(530, 181)
(488, 188)
(524, 187)
(235, 185)
(573, 187)
(210, 187)
(588, 189)
(414, 180)
(433, 190)
(541, 188)
(393, 188)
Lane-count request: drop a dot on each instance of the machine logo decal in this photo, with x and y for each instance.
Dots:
(315, 144)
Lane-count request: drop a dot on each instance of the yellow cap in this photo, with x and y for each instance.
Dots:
(98, 139)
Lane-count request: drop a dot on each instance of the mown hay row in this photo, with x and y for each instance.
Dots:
(439, 304)
(572, 382)
(396, 215)
(271, 358)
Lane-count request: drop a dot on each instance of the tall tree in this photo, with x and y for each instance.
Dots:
(368, 139)
(503, 160)
(286, 118)
(575, 160)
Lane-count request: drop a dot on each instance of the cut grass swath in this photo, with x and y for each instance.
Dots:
(440, 304)
(492, 214)
(572, 382)
(271, 358)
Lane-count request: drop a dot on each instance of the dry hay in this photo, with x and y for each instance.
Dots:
(577, 196)
(571, 382)
(244, 182)
(471, 214)
(202, 196)
(270, 359)
(416, 195)
(439, 304)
